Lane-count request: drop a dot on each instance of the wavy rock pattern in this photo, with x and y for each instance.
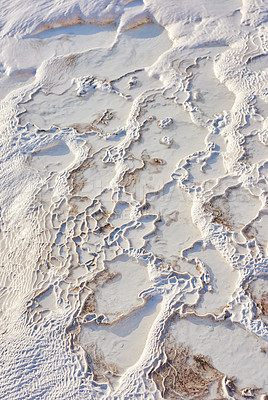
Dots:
(134, 200)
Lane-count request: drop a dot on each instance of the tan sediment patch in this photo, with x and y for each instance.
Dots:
(264, 303)
(76, 179)
(259, 293)
(85, 128)
(76, 20)
(78, 204)
(46, 27)
(100, 369)
(146, 20)
(235, 208)
(258, 229)
(120, 343)
(184, 375)
(131, 178)
(105, 117)
(231, 349)
(89, 305)
(255, 150)
(218, 217)
(70, 60)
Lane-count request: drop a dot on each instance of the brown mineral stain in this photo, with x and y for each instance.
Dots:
(184, 375)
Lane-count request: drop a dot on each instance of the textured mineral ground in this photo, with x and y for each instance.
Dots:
(133, 200)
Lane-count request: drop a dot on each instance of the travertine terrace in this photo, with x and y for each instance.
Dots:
(133, 201)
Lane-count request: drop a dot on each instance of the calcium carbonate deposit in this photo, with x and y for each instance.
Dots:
(133, 199)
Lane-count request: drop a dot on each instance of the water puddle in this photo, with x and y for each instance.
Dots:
(223, 280)
(175, 230)
(120, 294)
(54, 157)
(115, 348)
(208, 94)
